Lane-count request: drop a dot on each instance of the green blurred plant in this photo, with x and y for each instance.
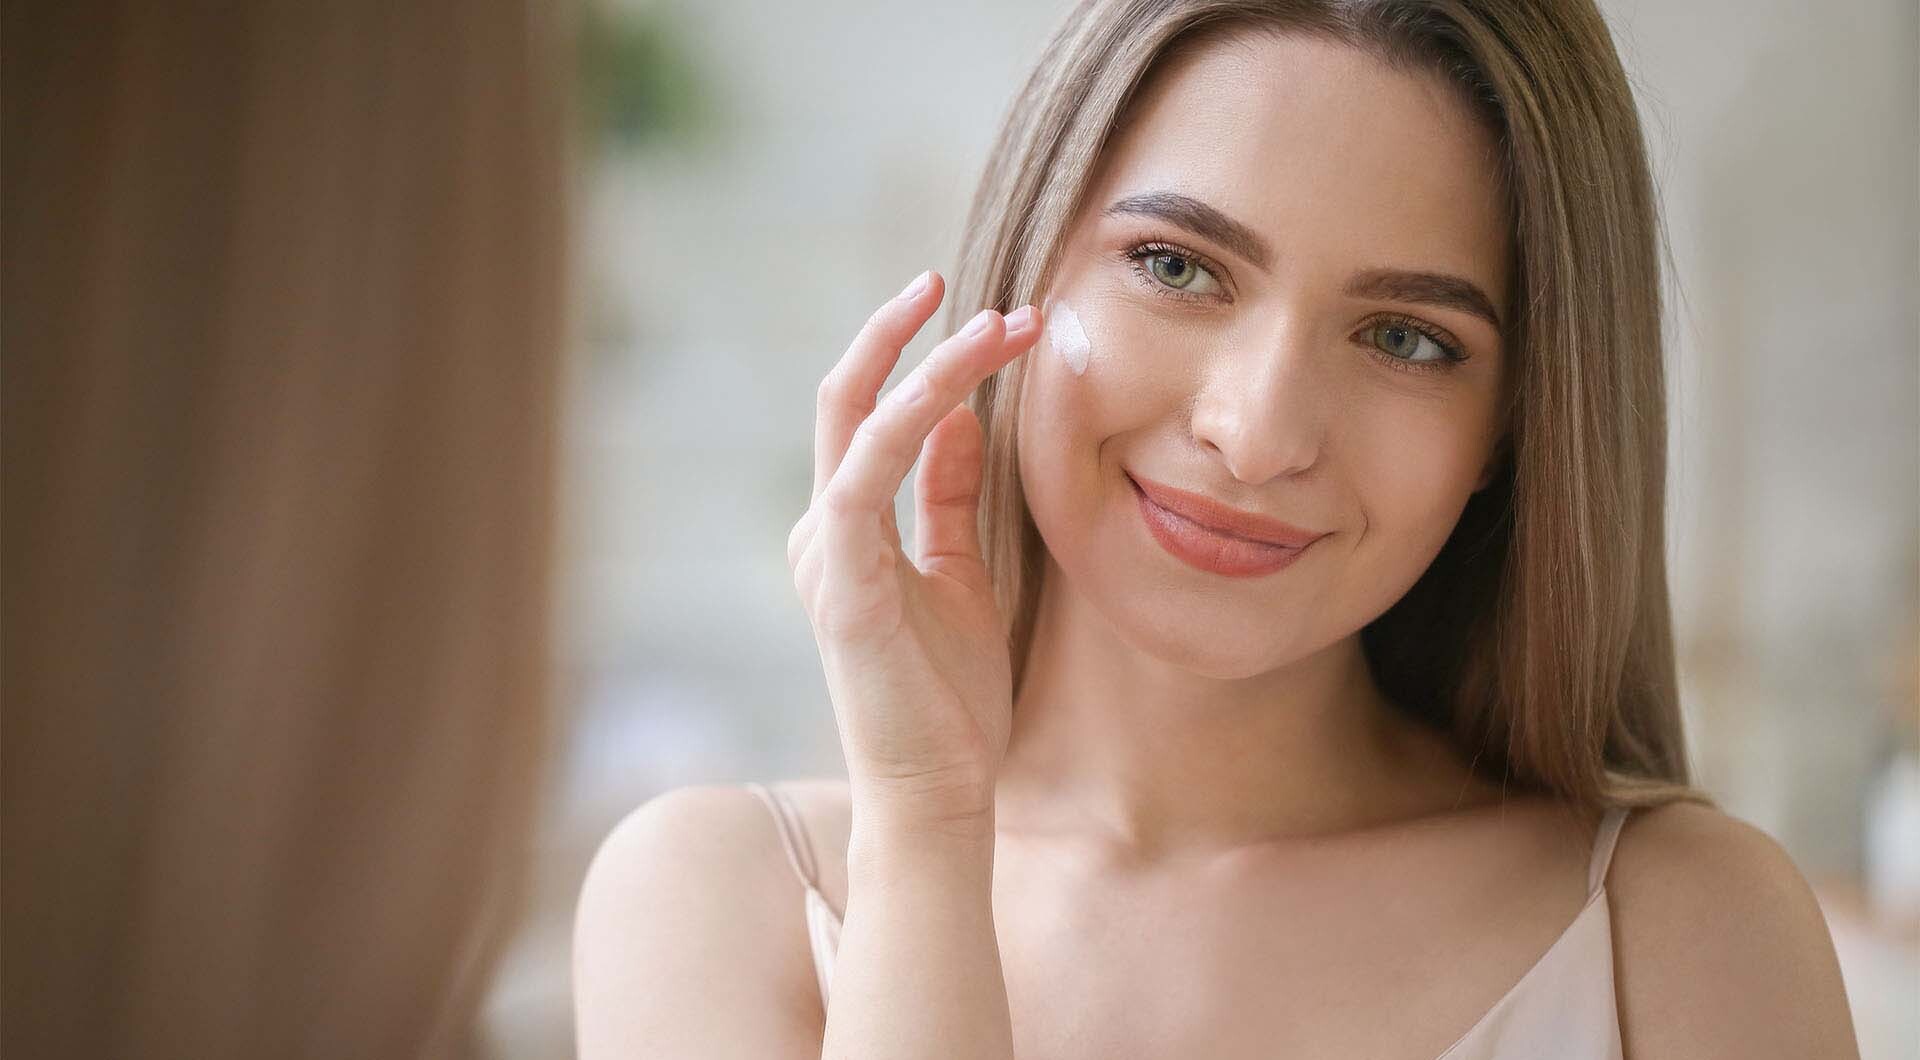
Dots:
(639, 85)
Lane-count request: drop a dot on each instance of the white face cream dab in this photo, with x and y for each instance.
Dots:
(1068, 338)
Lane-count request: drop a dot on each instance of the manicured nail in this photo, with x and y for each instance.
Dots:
(1020, 319)
(978, 324)
(917, 287)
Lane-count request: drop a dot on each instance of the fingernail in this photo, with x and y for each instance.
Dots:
(918, 286)
(978, 324)
(1020, 319)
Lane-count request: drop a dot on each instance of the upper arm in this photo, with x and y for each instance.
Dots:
(683, 937)
(1720, 948)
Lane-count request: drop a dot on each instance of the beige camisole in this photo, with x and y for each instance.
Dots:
(1562, 1007)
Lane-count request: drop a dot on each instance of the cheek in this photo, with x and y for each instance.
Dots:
(1059, 430)
(1102, 366)
(1090, 378)
(1413, 466)
(1409, 467)
(1081, 377)
(1067, 337)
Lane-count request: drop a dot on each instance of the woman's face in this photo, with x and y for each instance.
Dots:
(1286, 281)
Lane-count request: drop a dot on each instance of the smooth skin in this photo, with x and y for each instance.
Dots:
(1204, 832)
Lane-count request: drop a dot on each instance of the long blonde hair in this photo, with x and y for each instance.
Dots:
(1540, 637)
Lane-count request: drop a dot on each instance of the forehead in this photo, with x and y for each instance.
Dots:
(1337, 158)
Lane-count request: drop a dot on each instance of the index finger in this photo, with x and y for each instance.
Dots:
(851, 389)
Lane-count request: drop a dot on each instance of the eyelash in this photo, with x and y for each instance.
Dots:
(1137, 255)
(1452, 353)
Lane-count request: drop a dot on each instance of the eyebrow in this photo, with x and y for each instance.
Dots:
(1393, 285)
(1425, 288)
(1199, 218)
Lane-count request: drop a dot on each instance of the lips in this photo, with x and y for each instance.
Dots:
(1222, 519)
(1212, 537)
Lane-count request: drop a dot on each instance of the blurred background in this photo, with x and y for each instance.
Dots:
(405, 407)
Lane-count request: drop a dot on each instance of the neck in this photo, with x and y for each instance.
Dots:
(1115, 745)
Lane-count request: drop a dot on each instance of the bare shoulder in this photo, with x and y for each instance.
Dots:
(687, 940)
(1720, 948)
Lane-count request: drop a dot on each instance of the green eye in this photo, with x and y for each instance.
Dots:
(1173, 270)
(1404, 342)
(1167, 269)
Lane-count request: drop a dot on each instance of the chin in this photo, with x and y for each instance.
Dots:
(1200, 631)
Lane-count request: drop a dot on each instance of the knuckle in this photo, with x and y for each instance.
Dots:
(805, 533)
(838, 394)
(796, 544)
(873, 332)
(877, 323)
(838, 504)
(803, 580)
(853, 614)
(870, 434)
(883, 444)
(929, 376)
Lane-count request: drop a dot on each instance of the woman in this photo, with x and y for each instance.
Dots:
(1284, 668)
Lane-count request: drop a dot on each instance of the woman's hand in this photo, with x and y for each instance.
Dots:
(915, 652)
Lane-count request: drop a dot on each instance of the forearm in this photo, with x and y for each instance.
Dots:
(918, 973)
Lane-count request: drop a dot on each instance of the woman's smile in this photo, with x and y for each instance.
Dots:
(1216, 538)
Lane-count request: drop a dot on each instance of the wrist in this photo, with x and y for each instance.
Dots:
(890, 825)
(893, 854)
(953, 806)
(916, 824)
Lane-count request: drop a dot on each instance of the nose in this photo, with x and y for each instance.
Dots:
(1266, 413)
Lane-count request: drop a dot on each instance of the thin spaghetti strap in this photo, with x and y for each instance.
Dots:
(1604, 841)
(793, 831)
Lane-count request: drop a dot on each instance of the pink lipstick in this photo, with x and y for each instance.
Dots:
(1215, 537)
